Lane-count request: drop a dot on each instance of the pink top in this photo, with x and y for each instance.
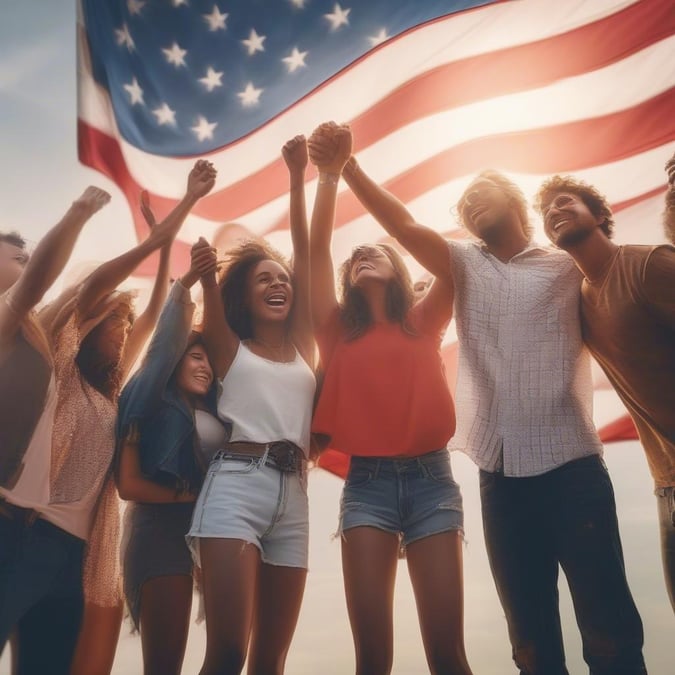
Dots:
(385, 393)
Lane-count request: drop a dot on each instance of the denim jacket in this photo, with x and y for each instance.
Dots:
(167, 439)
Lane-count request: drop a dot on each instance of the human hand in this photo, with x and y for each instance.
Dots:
(294, 153)
(146, 210)
(93, 199)
(202, 178)
(203, 261)
(330, 146)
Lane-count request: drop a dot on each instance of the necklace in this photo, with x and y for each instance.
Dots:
(278, 351)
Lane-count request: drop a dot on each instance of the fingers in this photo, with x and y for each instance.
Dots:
(203, 259)
(94, 198)
(294, 152)
(146, 210)
(202, 178)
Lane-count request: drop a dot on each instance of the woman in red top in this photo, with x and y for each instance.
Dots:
(385, 402)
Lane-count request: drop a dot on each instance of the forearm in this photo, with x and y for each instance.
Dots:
(49, 258)
(424, 244)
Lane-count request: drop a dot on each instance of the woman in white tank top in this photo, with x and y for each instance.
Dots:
(249, 530)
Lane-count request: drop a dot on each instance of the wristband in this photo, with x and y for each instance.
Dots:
(328, 178)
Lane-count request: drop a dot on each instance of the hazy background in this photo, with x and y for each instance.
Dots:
(40, 176)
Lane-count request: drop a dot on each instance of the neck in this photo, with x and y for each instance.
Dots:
(375, 295)
(270, 335)
(506, 239)
(592, 254)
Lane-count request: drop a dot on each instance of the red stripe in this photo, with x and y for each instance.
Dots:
(565, 148)
(622, 429)
(102, 152)
(580, 50)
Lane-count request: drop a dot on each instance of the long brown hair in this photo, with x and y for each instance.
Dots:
(399, 297)
(240, 260)
(102, 374)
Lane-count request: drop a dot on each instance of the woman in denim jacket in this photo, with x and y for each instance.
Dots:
(166, 429)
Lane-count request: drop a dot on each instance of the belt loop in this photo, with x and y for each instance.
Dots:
(263, 459)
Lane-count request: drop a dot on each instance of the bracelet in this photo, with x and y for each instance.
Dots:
(328, 178)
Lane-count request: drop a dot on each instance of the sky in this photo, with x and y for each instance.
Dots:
(40, 178)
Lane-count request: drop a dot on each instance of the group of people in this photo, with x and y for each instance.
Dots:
(210, 439)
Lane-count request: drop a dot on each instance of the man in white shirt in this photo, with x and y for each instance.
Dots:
(524, 416)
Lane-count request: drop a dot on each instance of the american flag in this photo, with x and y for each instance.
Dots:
(434, 92)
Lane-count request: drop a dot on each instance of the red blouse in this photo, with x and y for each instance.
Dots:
(384, 393)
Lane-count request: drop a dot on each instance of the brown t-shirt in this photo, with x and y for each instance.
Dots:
(629, 325)
(25, 373)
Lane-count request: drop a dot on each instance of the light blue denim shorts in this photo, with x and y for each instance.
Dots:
(413, 497)
(245, 498)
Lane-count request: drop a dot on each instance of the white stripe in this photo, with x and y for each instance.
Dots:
(473, 32)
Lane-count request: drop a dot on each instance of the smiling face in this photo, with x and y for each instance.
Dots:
(370, 263)
(194, 374)
(269, 291)
(483, 206)
(567, 220)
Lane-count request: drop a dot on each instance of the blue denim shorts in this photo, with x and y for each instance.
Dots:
(413, 497)
(246, 498)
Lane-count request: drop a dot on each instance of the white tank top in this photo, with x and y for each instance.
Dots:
(211, 432)
(267, 401)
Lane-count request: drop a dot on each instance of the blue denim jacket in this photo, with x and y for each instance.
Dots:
(167, 439)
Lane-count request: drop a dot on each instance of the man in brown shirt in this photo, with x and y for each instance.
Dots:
(628, 322)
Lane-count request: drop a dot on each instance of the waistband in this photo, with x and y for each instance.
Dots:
(31, 517)
(18, 513)
(282, 455)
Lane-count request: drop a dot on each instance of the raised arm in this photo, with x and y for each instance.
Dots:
(329, 149)
(106, 278)
(221, 341)
(294, 153)
(425, 245)
(48, 260)
(146, 321)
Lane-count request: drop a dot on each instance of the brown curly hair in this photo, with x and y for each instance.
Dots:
(595, 201)
(240, 260)
(513, 193)
(399, 296)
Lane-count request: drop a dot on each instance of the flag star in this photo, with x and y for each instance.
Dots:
(165, 115)
(338, 17)
(204, 129)
(212, 79)
(250, 96)
(178, 3)
(135, 6)
(216, 20)
(135, 92)
(295, 60)
(124, 38)
(300, 4)
(379, 38)
(175, 55)
(255, 42)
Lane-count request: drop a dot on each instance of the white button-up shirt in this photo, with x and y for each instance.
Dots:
(524, 393)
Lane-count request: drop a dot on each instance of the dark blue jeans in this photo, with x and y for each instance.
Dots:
(565, 517)
(40, 593)
(665, 499)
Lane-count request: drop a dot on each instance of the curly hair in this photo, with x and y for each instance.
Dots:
(399, 296)
(513, 193)
(669, 215)
(595, 202)
(233, 282)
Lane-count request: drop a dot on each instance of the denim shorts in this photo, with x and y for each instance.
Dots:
(413, 497)
(246, 498)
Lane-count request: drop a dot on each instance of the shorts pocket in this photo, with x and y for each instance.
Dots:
(235, 464)
(438, 469)
(358, 476)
